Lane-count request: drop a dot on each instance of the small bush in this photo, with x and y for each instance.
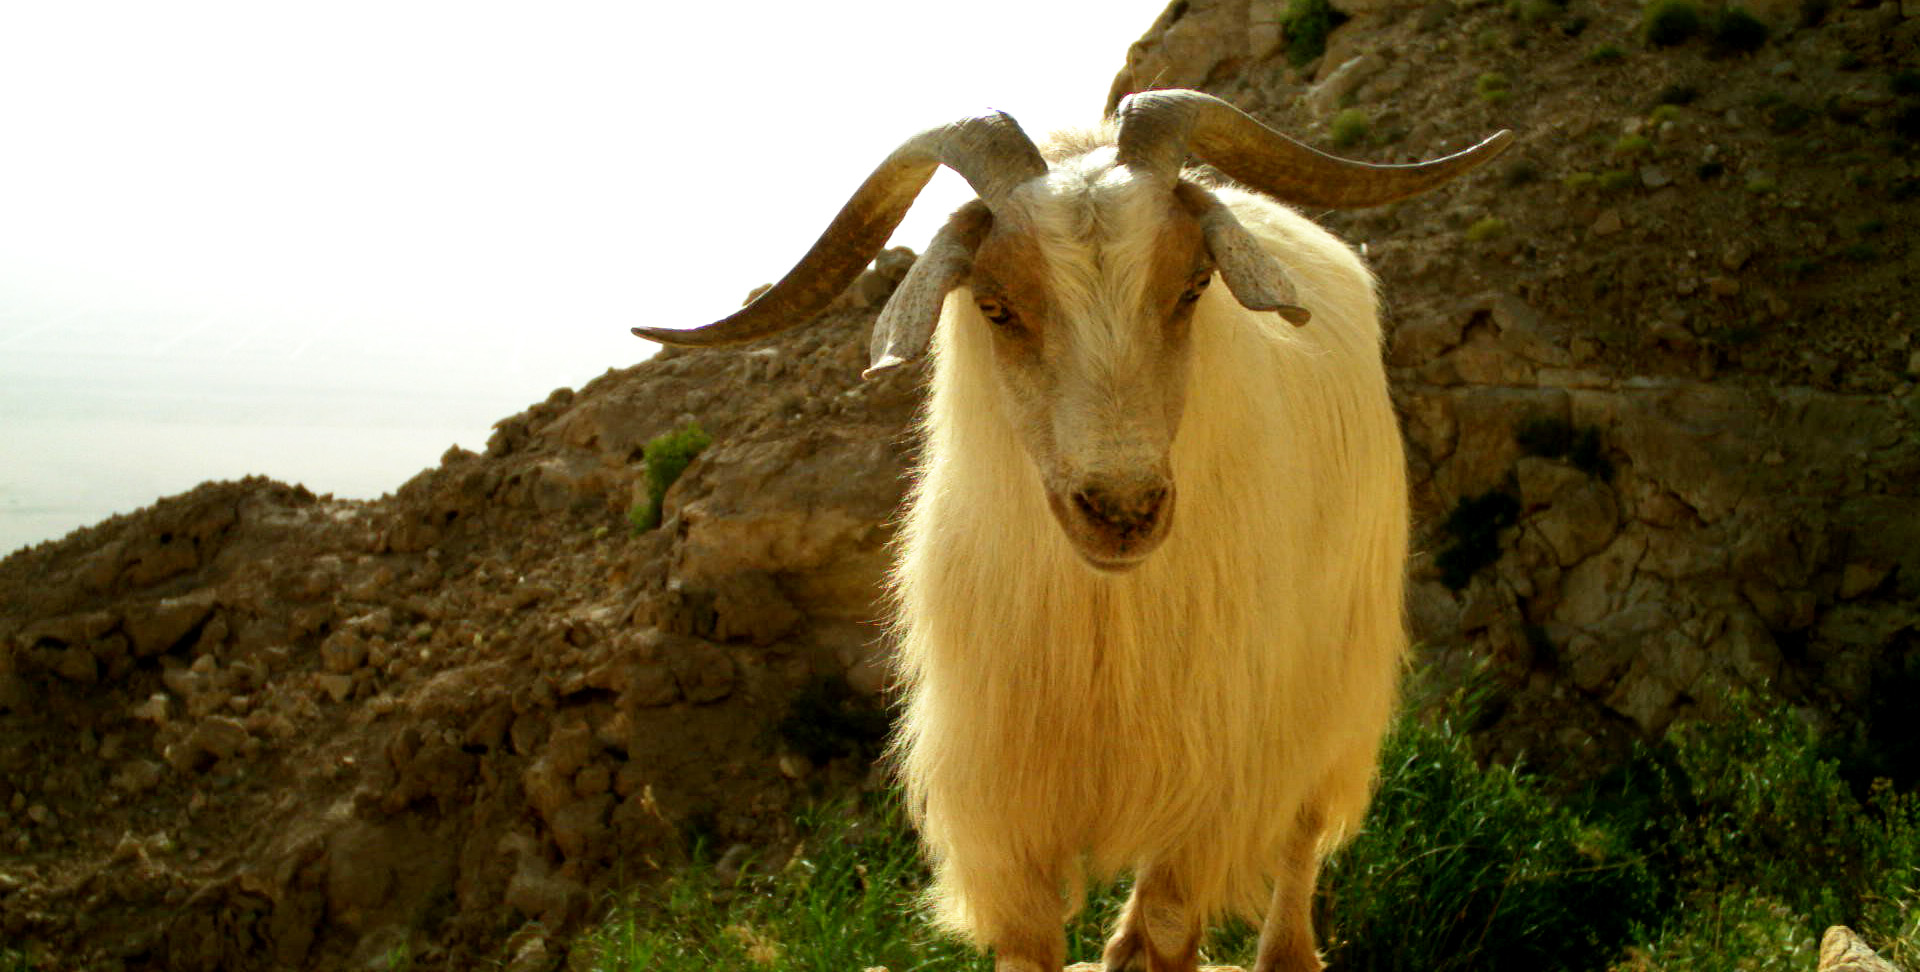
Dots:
(1669, 22)
(1348, 128)
(1632, 145)
(1493, 87)
(666, 457)
(1736, 31)
(1606, 54)
(1486, 228)
(1473, 536)
(1579, 181)
(1661, 114)
(1614, 180)
(1306, 25)
(1762, 186)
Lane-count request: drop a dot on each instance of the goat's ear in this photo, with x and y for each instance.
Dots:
(1255, 277)
(905, 327)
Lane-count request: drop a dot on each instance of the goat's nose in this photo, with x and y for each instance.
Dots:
(1125, 509)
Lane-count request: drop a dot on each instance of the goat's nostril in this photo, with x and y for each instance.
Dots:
(1126, 510)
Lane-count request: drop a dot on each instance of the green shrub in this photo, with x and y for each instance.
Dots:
(1736, 31)
(1752, 801)
(666, 457)
(1306, 25)
(1348, 127)
(1669, 22)
(1606, 54)
(1579, 181)
(1661, 114)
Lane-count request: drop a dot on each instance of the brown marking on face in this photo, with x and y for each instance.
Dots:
(1010, 275)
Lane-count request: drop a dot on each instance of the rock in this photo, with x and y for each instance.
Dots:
(343, 652)
(218, 736)
(1580, 522)
(163, 625)
(77, 665)
(1607, 223)
(581, 826)
(1859, 580)
(183, 682)
(137, 776)
(335, 687)
(1325, 97)
(705, 672)
(1841, 950)
(153, 710)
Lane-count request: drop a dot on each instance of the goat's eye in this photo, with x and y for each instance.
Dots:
(1197, 286)
(995, 311)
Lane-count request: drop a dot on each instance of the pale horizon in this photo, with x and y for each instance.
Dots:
(326, 244)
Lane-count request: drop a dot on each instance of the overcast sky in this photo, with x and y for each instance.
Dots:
(459, 206)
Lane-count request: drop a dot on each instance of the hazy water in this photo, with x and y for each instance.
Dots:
(105, 410)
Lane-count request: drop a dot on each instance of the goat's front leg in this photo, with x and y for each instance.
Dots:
(1286, 937)
(1157, 931)
(1019, 914)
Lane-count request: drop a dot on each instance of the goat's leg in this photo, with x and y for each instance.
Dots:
(1286, 938)
(1157, 931)
(1020, 914)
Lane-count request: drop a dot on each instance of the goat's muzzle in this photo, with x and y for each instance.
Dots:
(1115, 523)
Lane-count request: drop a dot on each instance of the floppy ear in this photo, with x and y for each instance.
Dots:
(1255, 277)
(905, 327)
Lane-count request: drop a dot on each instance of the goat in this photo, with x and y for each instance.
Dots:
(1088, 689)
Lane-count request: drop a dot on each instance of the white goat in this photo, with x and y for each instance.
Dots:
(1208, 716)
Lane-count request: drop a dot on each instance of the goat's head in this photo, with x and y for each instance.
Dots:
(1086, 276)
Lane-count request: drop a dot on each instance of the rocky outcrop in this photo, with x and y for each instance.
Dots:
(1645, 474)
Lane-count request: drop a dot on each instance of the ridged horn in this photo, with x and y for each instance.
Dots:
(1160, 129)
(988, 150)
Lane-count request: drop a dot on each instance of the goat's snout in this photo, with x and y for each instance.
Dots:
(1122, 509)
(1115, 523)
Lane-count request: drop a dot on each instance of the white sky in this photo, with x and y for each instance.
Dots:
(455, 206)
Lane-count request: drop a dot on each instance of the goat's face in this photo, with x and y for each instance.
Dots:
(1088, 292)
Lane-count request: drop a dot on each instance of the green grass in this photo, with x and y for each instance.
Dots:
(666, 457)
(1732, 844)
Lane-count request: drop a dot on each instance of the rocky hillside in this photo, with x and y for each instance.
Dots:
(1657, 369)
(1658, 383)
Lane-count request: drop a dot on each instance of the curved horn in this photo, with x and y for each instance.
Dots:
(989, 151)
(1159, 129)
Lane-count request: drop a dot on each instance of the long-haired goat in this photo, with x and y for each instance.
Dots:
(1089, 687)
